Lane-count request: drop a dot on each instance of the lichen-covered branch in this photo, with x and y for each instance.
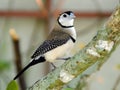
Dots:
(98, 50)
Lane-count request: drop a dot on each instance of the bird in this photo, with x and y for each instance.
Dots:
(60, 40)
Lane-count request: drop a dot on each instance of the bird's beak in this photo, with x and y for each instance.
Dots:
(72, 16)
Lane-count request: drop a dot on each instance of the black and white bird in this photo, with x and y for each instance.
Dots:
(59, 42)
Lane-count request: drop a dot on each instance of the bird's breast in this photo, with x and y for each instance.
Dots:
(59, 51)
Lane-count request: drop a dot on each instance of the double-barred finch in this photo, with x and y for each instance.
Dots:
(59, 42)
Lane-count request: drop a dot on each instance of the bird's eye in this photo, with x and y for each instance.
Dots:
(64, 15)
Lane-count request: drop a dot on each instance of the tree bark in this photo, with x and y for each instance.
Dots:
(98, 50)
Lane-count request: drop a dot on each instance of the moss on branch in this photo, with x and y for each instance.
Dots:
(98, 50)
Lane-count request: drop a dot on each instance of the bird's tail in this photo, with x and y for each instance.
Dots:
(33, 62)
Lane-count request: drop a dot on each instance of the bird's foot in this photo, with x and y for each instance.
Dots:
(54, 67)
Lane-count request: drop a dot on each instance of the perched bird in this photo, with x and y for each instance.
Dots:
(59, 41)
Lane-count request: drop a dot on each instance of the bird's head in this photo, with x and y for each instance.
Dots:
(66, 19)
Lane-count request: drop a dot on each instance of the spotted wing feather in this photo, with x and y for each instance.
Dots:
(53, 41)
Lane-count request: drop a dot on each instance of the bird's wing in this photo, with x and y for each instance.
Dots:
(56, 38)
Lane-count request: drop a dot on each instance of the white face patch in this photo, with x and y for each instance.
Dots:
(66, 21)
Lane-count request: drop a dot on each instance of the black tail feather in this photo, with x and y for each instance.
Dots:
(33, 62)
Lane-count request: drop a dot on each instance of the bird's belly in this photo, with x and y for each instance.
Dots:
(58, 52)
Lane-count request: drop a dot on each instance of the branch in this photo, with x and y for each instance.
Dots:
(41, 4)
(98, 50)
(116, 83)
(18, 63)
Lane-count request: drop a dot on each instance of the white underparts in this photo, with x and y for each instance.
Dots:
(58, 52)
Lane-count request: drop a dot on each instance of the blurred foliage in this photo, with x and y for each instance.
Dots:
(118, 66)
(12, 86)
(3, 48)
(4, 65)
(67, 89)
